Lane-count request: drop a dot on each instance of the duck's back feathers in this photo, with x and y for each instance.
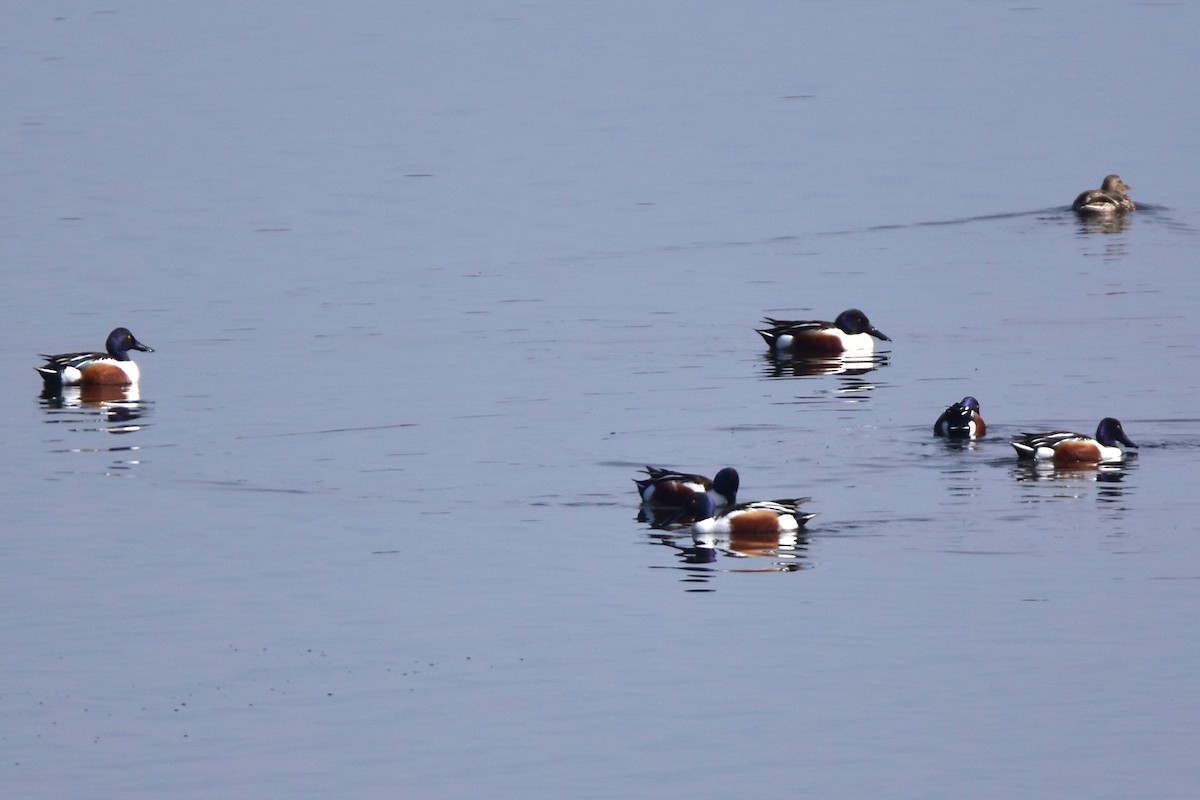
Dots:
(665, 488)
(962, 420)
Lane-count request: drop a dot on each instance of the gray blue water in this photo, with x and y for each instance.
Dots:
(429, 283)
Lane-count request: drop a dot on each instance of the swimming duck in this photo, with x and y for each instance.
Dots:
(851, 332)
(1110, 198)
(113, 368)
(961, 421)
(1075, 448)
(665, 488)
(759, 518)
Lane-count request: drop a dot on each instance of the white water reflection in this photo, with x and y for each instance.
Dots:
(776, 365)
(79, 412)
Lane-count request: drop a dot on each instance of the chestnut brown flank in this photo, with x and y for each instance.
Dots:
(1077, 452)
(816, 343)
(106, 374)
(671, 493)
(756, 524)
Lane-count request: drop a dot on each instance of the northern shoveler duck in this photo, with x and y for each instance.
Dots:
(666, 488)
(1110, 198)
(764, 518)
(114, 368)
(1075, 448)
(961, 421)
(851, 332)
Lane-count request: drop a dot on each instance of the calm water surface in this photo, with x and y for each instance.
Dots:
(429, 283)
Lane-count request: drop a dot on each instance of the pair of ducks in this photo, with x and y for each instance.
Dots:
(696, 498)
(962, 420)
(852, 332)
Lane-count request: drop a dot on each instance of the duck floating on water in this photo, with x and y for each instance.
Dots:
(1061, 447)
(1110, 198)
(851, 332)
(665, 488)
(112, 368)
(961, 421)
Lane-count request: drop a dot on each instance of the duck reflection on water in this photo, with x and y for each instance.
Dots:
(112, 408)
(1063, 476)
(701, 535)
(1103, 224)
(704, 557)
(783, 365)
